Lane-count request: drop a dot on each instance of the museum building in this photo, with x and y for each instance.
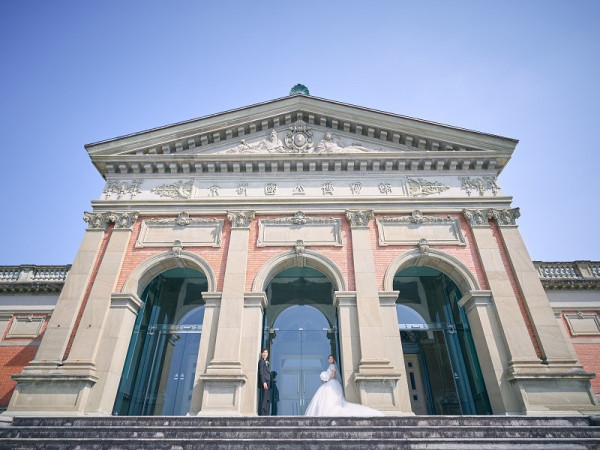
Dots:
(308, 227)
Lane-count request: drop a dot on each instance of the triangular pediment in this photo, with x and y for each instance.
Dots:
(295, 125)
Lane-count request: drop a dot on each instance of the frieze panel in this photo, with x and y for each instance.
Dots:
(288, 231)
(416, 228)
(420, 188)
(179, 189)
(189, 232)
(480, 184)
(122, 188)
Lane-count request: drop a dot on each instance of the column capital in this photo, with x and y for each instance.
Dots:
(101, 220)
(477, 218)
(240, 219)
(359, 218)
(506, 217)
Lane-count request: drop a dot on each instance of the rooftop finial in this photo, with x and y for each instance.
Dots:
(299, 89)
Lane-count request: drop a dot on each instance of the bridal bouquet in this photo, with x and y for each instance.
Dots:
(326, 375)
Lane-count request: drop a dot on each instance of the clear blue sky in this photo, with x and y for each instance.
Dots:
(75, 72)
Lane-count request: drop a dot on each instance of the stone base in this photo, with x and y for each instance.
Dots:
(50, 395)
(221, 396)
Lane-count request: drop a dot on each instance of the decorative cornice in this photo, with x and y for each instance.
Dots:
(421, 188)
(240, 219)
(359, 218)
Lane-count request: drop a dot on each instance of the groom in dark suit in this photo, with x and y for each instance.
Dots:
(264, 381)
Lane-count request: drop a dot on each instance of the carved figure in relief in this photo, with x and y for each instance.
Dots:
(330, 144)
(272, 144)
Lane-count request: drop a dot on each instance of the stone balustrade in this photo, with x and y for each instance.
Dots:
(569, 274)
(27, 277)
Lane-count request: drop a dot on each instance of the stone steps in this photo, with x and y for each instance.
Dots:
(411, 432)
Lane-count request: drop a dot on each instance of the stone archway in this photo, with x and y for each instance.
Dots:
(452, 267)
(293, 258)
(154, 266)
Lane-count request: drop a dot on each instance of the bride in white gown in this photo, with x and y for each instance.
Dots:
(329, 399)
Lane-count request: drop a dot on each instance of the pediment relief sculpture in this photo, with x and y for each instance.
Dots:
(300, 139)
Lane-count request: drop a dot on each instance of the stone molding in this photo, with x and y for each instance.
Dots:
(359, 218)
(128, 301)
(189, 232)
(289, 259)
(240, 219)
(308, 230)
(410, 230)
(460, 274)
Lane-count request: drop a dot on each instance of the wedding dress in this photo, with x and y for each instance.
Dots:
(329, 399)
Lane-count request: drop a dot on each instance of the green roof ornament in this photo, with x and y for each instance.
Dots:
(299, 89)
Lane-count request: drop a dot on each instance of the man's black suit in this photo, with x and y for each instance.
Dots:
(264, 376)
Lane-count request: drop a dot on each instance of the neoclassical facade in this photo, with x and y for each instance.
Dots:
(308, 227)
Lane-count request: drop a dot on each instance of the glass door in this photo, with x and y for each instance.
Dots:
(300, 343)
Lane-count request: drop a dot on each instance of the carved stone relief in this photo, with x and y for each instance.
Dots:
(179, 189)
(480, 184)
(299, 138)
(100, 221)
(503, 217)
(420, 188)
(359, 218)
(121, 188)
(240, 219)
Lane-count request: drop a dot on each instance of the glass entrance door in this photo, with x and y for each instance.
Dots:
(158, 376)
(300, 342)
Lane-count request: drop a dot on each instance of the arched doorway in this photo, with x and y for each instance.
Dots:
(300, 333)
(443, 372)
(159, 370)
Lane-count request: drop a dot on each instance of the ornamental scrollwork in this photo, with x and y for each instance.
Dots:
(300, 218)
(121, 188)
(418, 217)
(503, 217)
(182, 220)
(481, 184)
(179, 189)
(96, 221)
(124, 221)
(240, 219)
(359, 218)
(420, 188)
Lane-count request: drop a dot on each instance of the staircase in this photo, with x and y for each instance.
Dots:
(411, 432)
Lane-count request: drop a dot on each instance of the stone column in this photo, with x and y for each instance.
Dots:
(345, 302)
(212, 304)
(112, 352)
(543, 387)
(521, 351)
(377, 378)
(75, 378)
(224, 376)
(59, 329)
(553, 347)
(83, 357)
(491, 351)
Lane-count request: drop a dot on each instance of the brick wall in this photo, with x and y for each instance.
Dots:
(15, 354)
